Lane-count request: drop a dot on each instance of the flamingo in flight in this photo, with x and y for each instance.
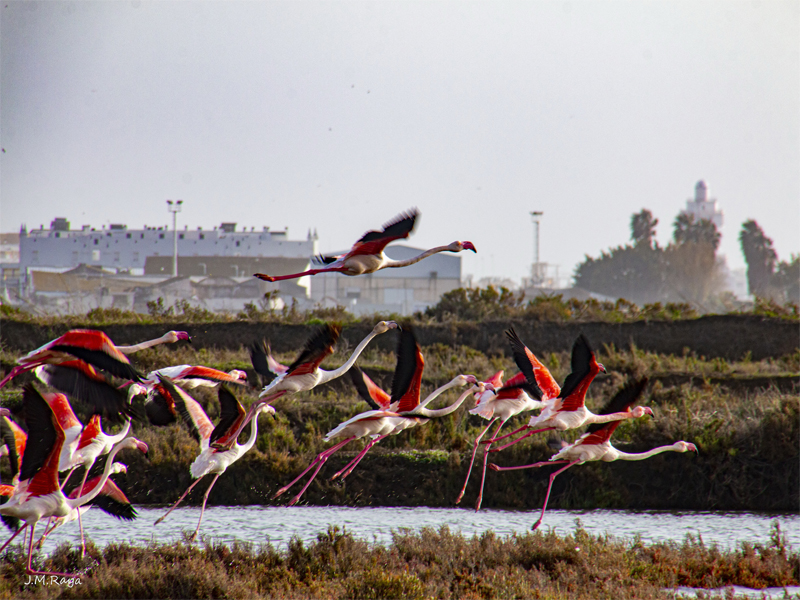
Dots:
(367, 256)
(38, 494)
(304, 373)
(213, 458)
(595, 445)
(111, 500)
(93, 347)
(568, 410)
(197, 376)
(397, 413)
(501, 402)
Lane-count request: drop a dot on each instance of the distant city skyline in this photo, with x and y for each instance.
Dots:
(337, 116)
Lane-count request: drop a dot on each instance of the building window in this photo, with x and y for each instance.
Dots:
(202, 236)
(128, 235)
(180, 235)
(95, 255)
(161, 236)
(237, 243)
(96, 242)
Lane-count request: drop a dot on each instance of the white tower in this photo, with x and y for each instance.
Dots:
(703, 207)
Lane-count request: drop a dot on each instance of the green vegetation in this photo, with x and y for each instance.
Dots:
(428, 564)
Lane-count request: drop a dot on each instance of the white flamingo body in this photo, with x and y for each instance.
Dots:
(191, 377)
(362, 264)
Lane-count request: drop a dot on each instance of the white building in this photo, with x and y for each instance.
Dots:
(703, 207)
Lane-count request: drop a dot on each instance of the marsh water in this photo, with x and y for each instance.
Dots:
(277, 525)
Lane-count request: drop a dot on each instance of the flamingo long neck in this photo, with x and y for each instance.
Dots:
(328, 375)
(617, 416)
(438, 392)
(148, 344)
(88, 497)
(393, 264)
(243, 448)
(445, 411)
(644, 455)
(116, 439)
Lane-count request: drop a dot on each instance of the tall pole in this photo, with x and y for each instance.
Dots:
(174, 208)
(537, 276)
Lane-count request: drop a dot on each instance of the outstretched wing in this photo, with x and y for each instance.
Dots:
(259, 357)
(408, 372)
(80, 380)
(189, 409)
(95, 348)
(318, 346)
(160, 406)
(232, 414)
(7, 438)
(369, 390)
(325, 260)
(526, 362)
(573, 392)
(373, 242)
(45, 439)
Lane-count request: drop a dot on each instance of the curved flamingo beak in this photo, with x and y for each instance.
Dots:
(648, 411)
(142, 447)
(602, 368)
(469, 246)
(182, 335)
(692, 447)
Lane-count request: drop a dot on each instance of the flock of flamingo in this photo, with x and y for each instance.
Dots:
(86, 366)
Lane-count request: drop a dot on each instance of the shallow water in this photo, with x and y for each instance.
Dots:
(277, 525)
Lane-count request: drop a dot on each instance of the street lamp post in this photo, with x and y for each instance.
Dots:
(536, 271)
(174, 208)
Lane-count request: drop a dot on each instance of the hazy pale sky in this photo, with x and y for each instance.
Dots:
(339, 115)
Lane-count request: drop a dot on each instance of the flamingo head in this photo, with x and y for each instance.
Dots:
(462, 380)
(182, 335)
(384, 326)
(4, 412)
(685, 447)
(238, 374)
(601, 368)
(266, 409)
(641, 411)
(135, 389)
(119, 467)
(132, 442)
(459, 246)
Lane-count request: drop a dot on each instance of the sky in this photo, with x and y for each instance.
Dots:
(337, 116)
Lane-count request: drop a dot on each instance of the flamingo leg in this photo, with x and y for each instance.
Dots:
(520, 438)
(66, 479)
(296, 275)
(550, 487)
(354, 463)
(495, 467)
(202, 510)
(174, 506)
(15, 534)
(80, 518)
(493, 440)
(485, 461)
(29, 570)
(472, 460)
(321, 457)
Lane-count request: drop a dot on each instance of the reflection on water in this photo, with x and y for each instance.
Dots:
(277, 525)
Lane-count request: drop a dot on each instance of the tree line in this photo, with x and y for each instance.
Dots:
(688, 269)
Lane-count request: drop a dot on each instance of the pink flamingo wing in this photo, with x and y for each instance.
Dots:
(90, 432)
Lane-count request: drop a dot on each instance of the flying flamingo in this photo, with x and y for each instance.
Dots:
(213, 458)
(366, 255)
(404, 410)
(38, 494)
(111, 500)
(304, 373)
(500, 403)
(568, 410)
(196, 376)
(93, 347)
(595, 444)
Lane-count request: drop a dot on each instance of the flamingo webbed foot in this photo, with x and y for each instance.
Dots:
(280, 492)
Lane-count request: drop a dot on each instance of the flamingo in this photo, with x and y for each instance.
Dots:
(213, 458)
(197, 376)
(404, 410)
(499, 403)
(567, 411)
(38, 495)
(595, 445)
(111, 500)
(304, 373)
(93, 347)
(366, 255)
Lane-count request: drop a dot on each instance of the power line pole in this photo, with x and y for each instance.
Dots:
(536, 274)
(174, 208)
